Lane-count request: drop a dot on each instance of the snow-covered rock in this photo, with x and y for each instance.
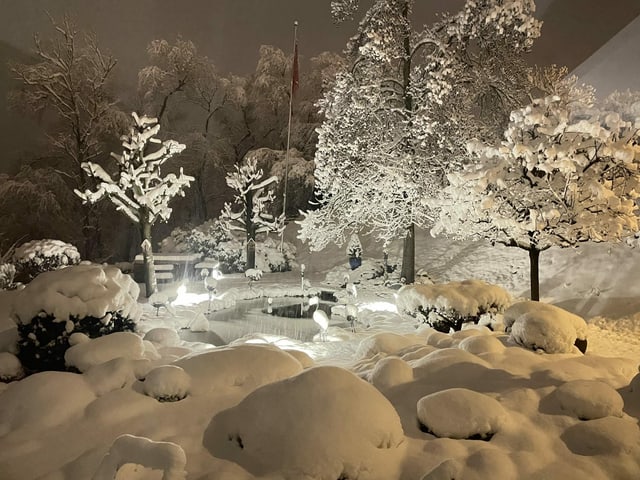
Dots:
(166, 337)
(461, 413)
(386, 342)
(115, 374)
(604, 436)
(537, 325)
(324, 423)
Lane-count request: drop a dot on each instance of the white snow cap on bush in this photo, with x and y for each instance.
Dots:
(10, 367)
(324, 423)
(165, 456)
(589, 399)
(85, 355)
(65, 252)
(167, 383)
(537, 325)
(78, 291)
(461, 413)
(468, 298)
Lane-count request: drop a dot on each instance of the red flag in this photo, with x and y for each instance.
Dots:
(294, 71)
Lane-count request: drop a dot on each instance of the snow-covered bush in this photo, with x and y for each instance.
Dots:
(7, 274)
(369, 270)
(450, 305)
(461, 413)
(91, 299)
(38, 256)
(540, 326)
(323, 423)
(167, 383)
(589, 399)
(212, 241)
(10, 367)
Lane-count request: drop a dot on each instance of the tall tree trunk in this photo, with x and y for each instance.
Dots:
(534, 256)
(408, 256)
(409, 248)
(150, 283)
(251, 230)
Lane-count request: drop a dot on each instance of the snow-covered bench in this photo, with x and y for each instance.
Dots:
(183, 265)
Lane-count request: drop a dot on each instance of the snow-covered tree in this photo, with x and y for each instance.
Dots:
(565, 173)
(396, 120)
(68, 85)
(138, 190)
(252, 199)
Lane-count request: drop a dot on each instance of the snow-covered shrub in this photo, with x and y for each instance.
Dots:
(167, 383)
(10, 367)
(87, 353)
(354, 247)
(369, 271)
(461, 413)
(324, 423)
(540, 326)
(7, 274)
(450, 305)
(589, 399)
(212, 241)
(91, 299)
(38, 256)
(143, 452)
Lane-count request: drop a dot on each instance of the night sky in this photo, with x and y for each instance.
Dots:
(230, 31)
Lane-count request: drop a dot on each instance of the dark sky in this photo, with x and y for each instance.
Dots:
(230, 31)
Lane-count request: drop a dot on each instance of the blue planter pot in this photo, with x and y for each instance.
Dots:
(355, 262)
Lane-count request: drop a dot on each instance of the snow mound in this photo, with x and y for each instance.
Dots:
(589, 399)
(604, 436)
(469, 298)
(10, 367)
(87, 354)
(167, 337)
(324, 423)
(483, 464)
(414, 352)
(460, 413)
(389, 372)
(536, 325)
(44, 400)
(245, 365)
(78, 291)
(115, 374)
(386, 342)
(167, 383)
(305, 360)
(129, 449)
(481, 344)
(445, 358)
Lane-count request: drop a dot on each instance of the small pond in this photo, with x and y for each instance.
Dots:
(288, 317)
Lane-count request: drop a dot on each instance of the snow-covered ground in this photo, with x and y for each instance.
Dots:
(470, 405)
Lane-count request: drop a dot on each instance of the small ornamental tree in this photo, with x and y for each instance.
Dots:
(138, 190)
(566, 173)
(251, 201)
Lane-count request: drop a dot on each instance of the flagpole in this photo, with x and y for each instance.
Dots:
(286, 157)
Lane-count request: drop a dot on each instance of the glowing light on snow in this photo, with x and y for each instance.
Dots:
(379, 307)
(186, 299)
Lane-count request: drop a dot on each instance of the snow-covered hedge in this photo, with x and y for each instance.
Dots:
(38, 256)
(7, 274)
(450, 305)
(212, 241)
(91, 299)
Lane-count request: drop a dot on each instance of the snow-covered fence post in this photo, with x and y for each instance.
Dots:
(138, 190)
